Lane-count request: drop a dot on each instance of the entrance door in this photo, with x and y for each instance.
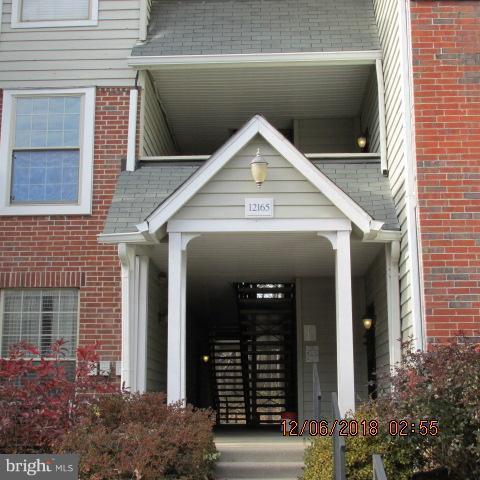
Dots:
(254, 363)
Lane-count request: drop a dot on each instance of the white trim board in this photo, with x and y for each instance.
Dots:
(1, 13)
(366, 57)
(87, 127)
(259, 225)
(411, 175)
(16, 21)
(259, 126)
(324, 156)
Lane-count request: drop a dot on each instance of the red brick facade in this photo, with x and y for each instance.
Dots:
(63, 251)
(446, 69)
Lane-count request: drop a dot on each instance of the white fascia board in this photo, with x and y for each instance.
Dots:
(259, 225)
(172, 204)
(337, 196)
(322, 58)
(123, 237)
(383, 236)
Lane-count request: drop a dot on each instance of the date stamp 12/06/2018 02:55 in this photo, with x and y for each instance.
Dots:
(351, 428)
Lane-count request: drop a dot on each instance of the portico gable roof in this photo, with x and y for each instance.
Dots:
(258, 125)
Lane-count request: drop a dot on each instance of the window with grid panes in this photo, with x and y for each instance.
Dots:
(46, 150)
(39, 317)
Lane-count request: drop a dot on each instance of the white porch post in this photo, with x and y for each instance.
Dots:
(176, 357)
(141, 323)
(392, 256)
(127, 260)
(134, 317)
(344, 327)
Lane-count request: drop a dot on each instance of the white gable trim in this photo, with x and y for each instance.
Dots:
(258, 125)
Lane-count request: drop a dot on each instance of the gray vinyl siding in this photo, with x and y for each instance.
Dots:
(156, 137)
(369, 116)
(224, 195)
(317, 307)
(387, 14)
(326, 135)
(376, 293)
(71, 56)
(156, 332)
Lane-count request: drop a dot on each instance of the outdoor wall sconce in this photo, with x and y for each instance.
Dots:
(362, 141)
(258, 167)
(368, 318)
(367, 322)
(205, 358)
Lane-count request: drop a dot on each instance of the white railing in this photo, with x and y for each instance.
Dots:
(311, 156)
(317, 393)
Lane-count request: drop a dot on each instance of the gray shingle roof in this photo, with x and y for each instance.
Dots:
(138, 193)
(194, 27)
(365, 184)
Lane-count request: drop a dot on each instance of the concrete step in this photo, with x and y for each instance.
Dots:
(264, 470)
(261, 453)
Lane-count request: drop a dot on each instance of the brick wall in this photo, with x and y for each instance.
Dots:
(62, 251)
(446, 68)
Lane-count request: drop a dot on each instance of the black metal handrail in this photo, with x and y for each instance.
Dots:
(338, 443)
(378, 468)
(317, 393)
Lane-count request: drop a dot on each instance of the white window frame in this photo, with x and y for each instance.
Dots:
(2, 301)
(83, 206)
(16, 19)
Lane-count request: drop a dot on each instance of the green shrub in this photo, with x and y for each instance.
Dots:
(133, 436)
(443, 385)
(399, 460)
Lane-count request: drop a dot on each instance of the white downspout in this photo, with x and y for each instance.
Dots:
(392, 257)
(132, 130)
(381, 116)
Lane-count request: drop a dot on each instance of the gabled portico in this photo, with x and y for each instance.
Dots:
(306, 201)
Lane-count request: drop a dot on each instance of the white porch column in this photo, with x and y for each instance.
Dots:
(134, 317)
(141, 283)
(392, 256)
(344, 327)
(176, 357)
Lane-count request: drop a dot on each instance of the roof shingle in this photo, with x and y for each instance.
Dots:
(140, 192)
(192, 27)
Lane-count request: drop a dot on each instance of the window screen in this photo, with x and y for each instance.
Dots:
(38, 10)
(46, 150)
(39, 317)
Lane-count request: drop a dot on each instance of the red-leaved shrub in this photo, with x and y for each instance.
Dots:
(443, 385)
(38, 401)
(117, 434)
(141, 437)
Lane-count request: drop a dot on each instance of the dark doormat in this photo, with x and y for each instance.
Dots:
(437, 474)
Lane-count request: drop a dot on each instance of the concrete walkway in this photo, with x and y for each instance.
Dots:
(258, 454)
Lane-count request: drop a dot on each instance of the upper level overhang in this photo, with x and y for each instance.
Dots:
(232, 60)
(212, 27)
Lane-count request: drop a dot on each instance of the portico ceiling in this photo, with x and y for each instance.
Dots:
(279, 257)
(204, 105)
